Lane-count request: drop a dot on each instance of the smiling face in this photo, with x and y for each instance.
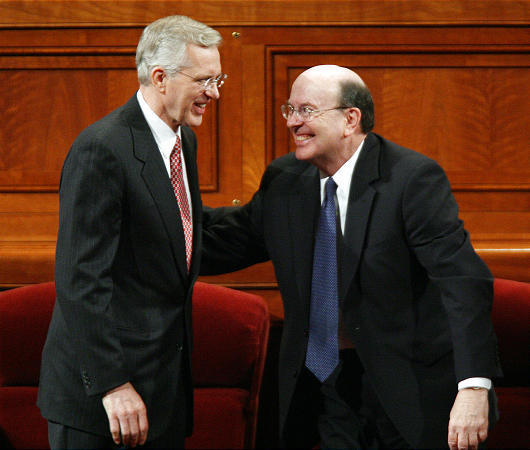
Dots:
(321, 139)
(184, 100)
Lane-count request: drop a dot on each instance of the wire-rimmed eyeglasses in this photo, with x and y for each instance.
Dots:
(207, 83)
(305, 113)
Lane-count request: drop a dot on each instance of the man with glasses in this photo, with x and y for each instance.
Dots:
(116, 367)
(387, 338)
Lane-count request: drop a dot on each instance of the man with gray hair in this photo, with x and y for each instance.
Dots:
(116, 367)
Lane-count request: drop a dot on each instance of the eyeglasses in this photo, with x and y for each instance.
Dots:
(305, 113)
(206, 84)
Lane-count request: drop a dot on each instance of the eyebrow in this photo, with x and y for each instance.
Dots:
(201, 76)
(311, 105)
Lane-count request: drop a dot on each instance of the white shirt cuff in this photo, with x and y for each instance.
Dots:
(478, 382)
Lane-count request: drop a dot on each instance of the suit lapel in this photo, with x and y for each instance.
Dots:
(304, 207)
(360, 202)
(155, 176)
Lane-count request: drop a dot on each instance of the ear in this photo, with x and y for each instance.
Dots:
(353, 121)
(158, 79)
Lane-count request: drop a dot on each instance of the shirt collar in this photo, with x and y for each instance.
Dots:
(164, 136)
(343, 176)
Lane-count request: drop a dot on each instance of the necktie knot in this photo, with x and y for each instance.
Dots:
(175, 153)
(331, 188)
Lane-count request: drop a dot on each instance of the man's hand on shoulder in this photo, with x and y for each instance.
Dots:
(127, 415)
(468, 421)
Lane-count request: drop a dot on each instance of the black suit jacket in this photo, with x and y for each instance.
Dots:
(123, 309)
(414, 296)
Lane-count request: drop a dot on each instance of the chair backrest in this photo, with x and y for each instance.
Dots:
(231, 330)
(511, 320)
(230, 340)
(25, 314)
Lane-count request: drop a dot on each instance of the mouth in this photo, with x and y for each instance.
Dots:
(301, 139)
(199, 108)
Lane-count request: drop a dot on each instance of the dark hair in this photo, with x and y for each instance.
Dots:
(354, 94)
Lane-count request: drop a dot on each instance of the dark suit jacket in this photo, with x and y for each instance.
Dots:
(123, 309)
(414, 296)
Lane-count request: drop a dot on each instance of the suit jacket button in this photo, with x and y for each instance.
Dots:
(85, 378)
(179, 347)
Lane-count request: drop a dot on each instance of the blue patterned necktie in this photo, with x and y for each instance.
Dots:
(323, 347)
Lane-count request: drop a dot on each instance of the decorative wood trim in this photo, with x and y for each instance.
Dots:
(26, 263)
(463, 187)
(69, 51)
(32, 262)
(506, 259)
(123, 13)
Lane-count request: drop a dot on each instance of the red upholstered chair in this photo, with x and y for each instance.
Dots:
(511, 319)
(230, 331)
(24, 317)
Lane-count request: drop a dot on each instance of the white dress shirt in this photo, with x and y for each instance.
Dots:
(165, 138)
(343, 178)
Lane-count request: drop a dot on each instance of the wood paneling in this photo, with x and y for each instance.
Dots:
(259, 12)
(48, 108)
(449, 79)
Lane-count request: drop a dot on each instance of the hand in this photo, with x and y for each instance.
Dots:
(468, 421)
(127, 415)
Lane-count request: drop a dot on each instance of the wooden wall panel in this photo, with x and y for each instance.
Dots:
(449, 78)
(49, 108)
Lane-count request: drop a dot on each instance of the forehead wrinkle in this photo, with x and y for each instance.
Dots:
(301, 105)
(314, 92)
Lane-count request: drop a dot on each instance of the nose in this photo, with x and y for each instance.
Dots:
(294, 120)
(213, 91)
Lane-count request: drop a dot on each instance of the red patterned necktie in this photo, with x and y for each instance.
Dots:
(177, 180)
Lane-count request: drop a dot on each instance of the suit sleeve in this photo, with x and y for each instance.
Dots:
(438, 239)
(233, 237)
(89, 233)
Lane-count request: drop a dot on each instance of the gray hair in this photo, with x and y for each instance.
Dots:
(164, 43)
(357, 95)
